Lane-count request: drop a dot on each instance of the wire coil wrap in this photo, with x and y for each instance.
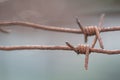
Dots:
(82, 49)
(91, 30)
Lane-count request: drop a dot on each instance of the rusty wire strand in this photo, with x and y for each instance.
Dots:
(80, 49)
(53, 28)
(40, 47)
(98, 37)
(87, 58)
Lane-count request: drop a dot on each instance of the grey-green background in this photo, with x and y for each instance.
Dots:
(58, 65)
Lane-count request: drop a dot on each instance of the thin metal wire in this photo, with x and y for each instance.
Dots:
(40, 47)
(81, 49)
(53, 28)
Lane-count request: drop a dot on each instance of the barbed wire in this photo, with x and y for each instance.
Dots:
(87, 30)
(80, 49)
(54, 28)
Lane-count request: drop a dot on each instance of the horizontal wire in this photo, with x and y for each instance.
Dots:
(39, 47)
(53, 28)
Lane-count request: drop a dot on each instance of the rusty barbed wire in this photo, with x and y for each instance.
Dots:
(40, 47)
(87, 31)
(93, 30)
(83, 49)
(80, 49)
(53, 28)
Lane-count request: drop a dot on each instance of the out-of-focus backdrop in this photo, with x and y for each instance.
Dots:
(58, 65)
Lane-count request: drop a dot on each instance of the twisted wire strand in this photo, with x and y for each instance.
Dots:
(53, 28)
(46, 47)
(80, 49)
(87, 58)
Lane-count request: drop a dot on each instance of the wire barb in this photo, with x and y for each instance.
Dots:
(79, 24)
(87, 58)
(84, 49)
(99, 38)
(92, 30)
(101, 20)
(81, 49)
(72, 47)
(4, 31)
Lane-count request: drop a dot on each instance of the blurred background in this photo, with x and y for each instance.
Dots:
(58, 65)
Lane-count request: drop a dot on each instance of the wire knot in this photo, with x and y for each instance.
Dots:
(91, 30)
(82, 49)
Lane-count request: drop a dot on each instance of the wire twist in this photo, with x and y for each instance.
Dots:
(81, 49)
(84, 49)
(92, 30)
